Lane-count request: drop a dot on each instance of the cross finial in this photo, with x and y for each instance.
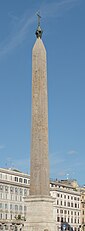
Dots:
(39, 30)
(39, 17)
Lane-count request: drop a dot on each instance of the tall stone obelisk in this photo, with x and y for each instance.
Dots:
(39, 176)
(40, 204)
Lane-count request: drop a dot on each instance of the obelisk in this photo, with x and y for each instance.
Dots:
(40, 204)
(39, 175)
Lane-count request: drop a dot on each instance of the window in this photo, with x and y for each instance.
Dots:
(68, 197)
(68, 211)
(71, 212)
(0, 205)
(25, 208)
(6, 206)
(68, 204)
(20, 180)
(82, 220)
(20, 190)
(71, 198)
(0, 215)
(61, 211)
(57, 194)
(57, 210)
(64, 196)
(57, 202)
(75, 205)
(71, 220)
(68, 219)
(71, 204)
(58, 219)
(6, 176)
(1, 175)
(6, 189)
(20, 207)
(10, 177)
(16, 198)
(25, 192)
(16, 207)
(16, 190)
(64, 203)
(61, 195)
(65, 211)
(1, 187)
(10, 206)
(16, 179)
(75, 213)
(75, 198)
(6, 216)
(0, 195)
(11, 216)
(61, 202)
(61, 219)
(20, 198)
(6, 196)
(25, 181)
(11, 189)
(75, 220)
(51, 185)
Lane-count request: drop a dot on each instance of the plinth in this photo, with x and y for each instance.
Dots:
(40, 215)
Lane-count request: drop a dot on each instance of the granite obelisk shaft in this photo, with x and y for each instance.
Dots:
(40, 214)
(39, 172)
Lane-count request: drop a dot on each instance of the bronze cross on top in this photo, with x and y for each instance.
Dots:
(39, 17)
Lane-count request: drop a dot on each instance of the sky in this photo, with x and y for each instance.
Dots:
(63, 24)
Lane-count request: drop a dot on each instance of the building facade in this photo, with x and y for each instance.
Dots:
(67, 205)
(14, 186)
(69, 201)
(83, 208)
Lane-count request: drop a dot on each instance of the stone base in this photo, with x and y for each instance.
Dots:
(40, 214)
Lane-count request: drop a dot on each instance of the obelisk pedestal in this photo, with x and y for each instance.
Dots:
(40, 214)
(40, 204)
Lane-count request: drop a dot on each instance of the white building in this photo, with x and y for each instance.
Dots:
(14, 187)
(83, 208)
(67, 204)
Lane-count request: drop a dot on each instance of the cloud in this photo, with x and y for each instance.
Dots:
(12, 16)
(21, 27)
(17, 35)
(56, 8)
(1, 146)
(61, 173)
(56, 158)
(21, 162)
(72, 152)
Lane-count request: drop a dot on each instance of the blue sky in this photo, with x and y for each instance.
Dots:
(63, 23)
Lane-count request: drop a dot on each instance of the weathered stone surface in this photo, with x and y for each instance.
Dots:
(40, 214)
(39, 181)
(40, 204)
